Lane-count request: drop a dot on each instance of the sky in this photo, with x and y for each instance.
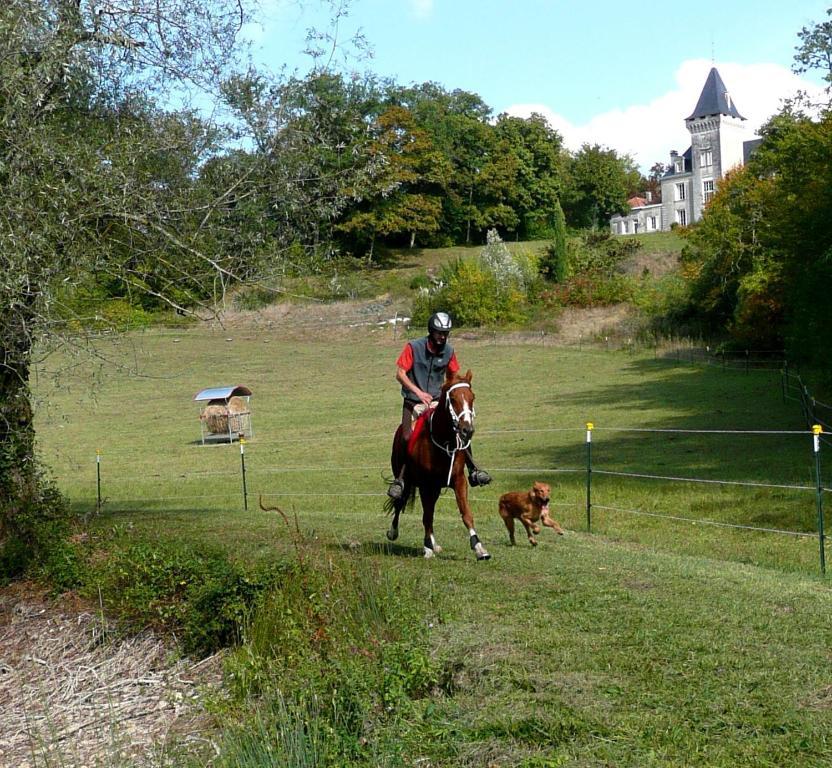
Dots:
(621, 75)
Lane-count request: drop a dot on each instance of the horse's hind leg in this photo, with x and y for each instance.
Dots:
(398, 506)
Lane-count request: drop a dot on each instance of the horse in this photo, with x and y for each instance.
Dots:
(435, 459)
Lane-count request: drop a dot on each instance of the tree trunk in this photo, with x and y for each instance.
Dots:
(412, 239)
(19, 479)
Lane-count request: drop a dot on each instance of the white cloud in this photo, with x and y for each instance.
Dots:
(422, 9)
(647, 132)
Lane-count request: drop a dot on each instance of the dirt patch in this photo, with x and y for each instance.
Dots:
(385, 319)
(593, 323)
(655, 263)
(317, 318)
(73, 695)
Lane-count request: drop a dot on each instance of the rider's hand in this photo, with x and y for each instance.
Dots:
(426, 398)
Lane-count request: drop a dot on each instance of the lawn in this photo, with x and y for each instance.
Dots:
(662, 638)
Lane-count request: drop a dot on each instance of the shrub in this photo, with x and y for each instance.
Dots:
(39, 525)
(339, 649)
(490, 290)
(253, 297)
(195, 592)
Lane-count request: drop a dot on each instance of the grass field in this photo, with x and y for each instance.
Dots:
(660, 639)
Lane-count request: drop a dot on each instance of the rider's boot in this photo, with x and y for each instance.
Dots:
(476, 476)
(396, 489)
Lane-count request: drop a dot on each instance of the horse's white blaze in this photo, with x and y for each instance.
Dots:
(467, 413)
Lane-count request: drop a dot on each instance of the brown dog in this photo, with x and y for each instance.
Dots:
(528, 508)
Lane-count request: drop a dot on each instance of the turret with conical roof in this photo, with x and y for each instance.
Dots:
(715, 99)
(717, 133)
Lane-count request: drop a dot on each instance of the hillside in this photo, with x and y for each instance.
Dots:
(372, 296)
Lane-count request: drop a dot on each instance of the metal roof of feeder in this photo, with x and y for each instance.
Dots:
(222, 393)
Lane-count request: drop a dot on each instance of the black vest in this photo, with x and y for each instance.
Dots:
(428, 371)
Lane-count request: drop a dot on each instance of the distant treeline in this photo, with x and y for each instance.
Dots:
(412, 166)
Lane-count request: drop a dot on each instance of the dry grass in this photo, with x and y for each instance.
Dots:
(71, 695)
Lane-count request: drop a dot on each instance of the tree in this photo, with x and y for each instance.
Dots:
(95, 179)
(815, 53)
(654, 181)
(313, 160)
(405, 194)
(457, 121)
(597, 186)
(555, 262)
(534, 195)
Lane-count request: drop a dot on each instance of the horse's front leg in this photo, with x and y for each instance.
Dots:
(429, 494)
(460, 485)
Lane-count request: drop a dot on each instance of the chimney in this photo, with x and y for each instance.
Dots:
(648, 195)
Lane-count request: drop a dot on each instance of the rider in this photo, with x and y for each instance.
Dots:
(420, 370)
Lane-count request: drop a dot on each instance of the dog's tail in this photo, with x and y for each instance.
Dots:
(273, 509)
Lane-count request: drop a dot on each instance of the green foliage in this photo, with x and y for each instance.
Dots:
(35, 530)
(493, 290)
(419, 282)
(555, 263)
(340, 648)
(595, 276)
(196, 592)
(252, 298)
(598, 185)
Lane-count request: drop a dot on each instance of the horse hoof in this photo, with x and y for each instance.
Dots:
(481, 553)
(428, 553)
(437, 548)
(393, 534)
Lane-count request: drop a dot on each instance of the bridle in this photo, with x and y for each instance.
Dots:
(458, 444)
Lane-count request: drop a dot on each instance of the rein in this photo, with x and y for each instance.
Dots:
(459, 445)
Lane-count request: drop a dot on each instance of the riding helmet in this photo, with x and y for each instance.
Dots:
(440, 321)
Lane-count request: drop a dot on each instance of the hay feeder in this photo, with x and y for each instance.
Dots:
(225, 415)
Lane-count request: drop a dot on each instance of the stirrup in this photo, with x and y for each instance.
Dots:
(479, 477)
(396, 489)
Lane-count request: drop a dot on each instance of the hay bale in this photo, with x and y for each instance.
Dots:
(237, 405)
(215, 416)
(217, 413)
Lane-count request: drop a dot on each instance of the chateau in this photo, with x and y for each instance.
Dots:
(718, 143)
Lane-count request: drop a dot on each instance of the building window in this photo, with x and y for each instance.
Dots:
(707, 190)
(680, 191)
(635, 227)
(651, 222)
(682, 217)
(706, 158)
(626, 226)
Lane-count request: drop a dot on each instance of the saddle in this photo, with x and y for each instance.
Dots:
(421, 415)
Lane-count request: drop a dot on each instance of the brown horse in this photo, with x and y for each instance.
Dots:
(435, 459)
